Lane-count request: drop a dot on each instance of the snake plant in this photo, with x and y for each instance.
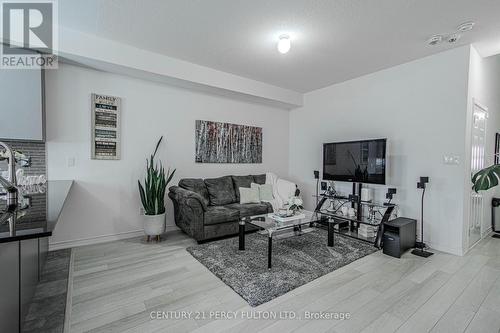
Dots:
(487, 178)
(155, 185)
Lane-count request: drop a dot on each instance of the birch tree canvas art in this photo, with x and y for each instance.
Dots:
(227, 143)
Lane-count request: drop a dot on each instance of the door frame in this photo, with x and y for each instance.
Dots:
(475, 103)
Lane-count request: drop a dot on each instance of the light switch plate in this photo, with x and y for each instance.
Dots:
(71, 162)
(451, 159)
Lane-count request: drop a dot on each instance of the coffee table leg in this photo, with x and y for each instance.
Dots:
(330, 234)
(242, 235)
(270, 251)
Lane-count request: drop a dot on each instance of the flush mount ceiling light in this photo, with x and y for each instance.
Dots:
(284, 44)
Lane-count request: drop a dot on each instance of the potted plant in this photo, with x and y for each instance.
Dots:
(295, 205)
(153, 195)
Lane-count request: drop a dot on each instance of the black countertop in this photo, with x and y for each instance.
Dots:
(37, 213)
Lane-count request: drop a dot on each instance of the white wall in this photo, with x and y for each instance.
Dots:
(104, 200)
(421, 108)
(484, 87)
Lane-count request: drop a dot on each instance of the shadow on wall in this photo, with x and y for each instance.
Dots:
(396, 173)
(96, 209)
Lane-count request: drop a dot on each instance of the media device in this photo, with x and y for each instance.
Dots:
(495, 203)
(355, 161)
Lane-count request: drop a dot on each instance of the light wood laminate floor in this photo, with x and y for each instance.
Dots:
(116, 285)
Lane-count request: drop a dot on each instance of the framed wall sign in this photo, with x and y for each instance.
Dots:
(106, 128)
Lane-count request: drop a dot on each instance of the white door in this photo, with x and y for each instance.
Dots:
(478, 136)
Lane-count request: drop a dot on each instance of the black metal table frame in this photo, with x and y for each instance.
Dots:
(241, 235)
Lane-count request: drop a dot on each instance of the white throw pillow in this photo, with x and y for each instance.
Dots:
(265, 191)
(249, 195)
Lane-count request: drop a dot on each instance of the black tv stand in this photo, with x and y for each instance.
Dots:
(349, 225)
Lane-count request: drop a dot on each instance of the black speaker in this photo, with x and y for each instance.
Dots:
(392, 245)
(420, 247)
(390, 193)
(316, 174)
(422, 182)
(399, 236)
(324, 186)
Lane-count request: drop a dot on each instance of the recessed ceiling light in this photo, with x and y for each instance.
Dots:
(434, 40)
(466, 26)
(284, 44)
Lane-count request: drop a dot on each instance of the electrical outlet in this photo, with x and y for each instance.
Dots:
(141, 211)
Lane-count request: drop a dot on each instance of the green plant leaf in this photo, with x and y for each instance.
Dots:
(486, 178)
(157, 146)
(141, 192)
(155, 184)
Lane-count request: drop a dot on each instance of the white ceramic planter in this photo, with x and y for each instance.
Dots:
(154, 225)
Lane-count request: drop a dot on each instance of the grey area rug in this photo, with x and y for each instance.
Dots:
(297, 260)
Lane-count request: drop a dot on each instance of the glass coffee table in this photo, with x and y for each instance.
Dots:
(271, 226)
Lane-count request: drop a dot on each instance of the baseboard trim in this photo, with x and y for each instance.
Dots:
(487, 232)
(94, 240)
(445, 249)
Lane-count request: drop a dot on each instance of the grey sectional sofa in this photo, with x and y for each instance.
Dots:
(210, 208)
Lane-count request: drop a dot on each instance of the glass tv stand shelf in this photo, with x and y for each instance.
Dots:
(364, 225)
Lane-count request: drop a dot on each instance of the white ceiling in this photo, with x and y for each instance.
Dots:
(332, 40)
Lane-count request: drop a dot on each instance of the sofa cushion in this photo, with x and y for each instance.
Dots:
(251, 209)
(220, 214)
(195, 185)
(265, 191)
(249, 195)
(220, 190)
(259, 179)
(241, 181)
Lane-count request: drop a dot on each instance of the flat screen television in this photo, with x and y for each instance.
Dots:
(355, 161)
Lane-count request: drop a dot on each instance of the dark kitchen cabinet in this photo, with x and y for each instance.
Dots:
(9, 287)
(29, 273)
(21, 263)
